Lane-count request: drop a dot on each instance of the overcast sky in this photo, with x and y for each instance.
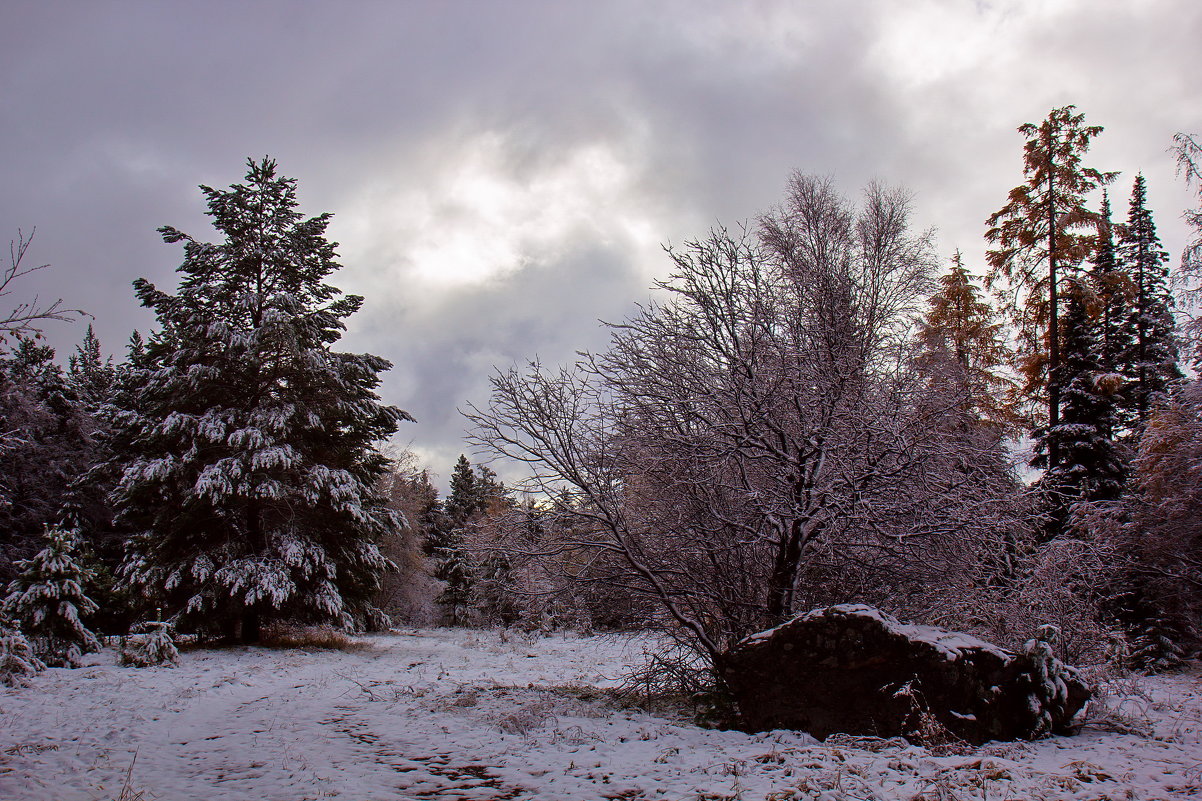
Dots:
(503, 174)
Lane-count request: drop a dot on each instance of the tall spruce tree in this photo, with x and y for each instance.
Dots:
(94, 379)
(1041, 234)
(249, 449)
(475, 493)
(1110, 290)
(1152, 357)
(463, 502)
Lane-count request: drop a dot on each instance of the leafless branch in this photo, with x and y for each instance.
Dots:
(25, 319)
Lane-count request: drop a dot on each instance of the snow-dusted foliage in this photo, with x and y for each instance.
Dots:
(46, 600)
(17, 660)
(249, 463)
(46, 443)
(1158, 530)
(1049, 680)
(1188, 150)
(154, 647)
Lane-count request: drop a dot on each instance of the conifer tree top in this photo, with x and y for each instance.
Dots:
(270, 251)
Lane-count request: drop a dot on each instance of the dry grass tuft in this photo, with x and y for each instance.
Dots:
(295, 635)
(128, 793)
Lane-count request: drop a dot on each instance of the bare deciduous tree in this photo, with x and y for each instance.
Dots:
(407, 590)
(25, 318)
(1165, 509)
(758, 441)
(1188, 280)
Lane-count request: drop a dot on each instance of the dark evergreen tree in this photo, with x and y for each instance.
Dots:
(453, 563)
(249, 452)
(110, 387)
(93, 381)
(1156, 633)
(463, 502)
(475, 495)
(492, 496)
(1152, 356)
(455, 568)
(1089, 468)
(47, 601)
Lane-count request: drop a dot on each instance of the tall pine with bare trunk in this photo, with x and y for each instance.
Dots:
(1042, 234)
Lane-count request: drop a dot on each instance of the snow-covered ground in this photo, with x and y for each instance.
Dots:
(455, 714)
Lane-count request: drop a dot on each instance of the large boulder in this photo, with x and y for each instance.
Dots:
(855, 670)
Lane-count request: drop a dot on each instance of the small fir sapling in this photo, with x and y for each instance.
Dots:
(47, 599)
(1156, 648)
(153, 647)
(17, 660)
(1049, 690)
(1156, 636)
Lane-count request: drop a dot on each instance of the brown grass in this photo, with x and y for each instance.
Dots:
(295, 635)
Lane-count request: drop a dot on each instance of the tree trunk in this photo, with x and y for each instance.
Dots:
(1053, 326)
(784, 574)
(258, 544)
(1141, 329)
(250, 626)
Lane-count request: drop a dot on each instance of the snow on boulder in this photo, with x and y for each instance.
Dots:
(855, 670)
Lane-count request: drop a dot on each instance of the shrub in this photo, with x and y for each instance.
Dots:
(155, 646)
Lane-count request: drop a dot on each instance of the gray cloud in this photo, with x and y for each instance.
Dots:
(501, 173)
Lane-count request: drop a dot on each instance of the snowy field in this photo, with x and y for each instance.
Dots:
(456, 714)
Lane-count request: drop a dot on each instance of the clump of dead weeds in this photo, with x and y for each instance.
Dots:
(297, 635)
